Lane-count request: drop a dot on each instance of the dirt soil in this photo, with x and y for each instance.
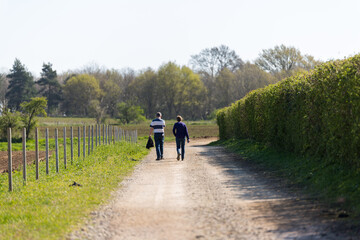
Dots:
(210, 195)
(17, 159)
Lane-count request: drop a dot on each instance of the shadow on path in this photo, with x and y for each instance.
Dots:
(270, 201)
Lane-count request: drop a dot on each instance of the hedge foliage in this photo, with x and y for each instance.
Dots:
(316, 113)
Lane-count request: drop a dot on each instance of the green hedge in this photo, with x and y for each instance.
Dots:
(316, 113)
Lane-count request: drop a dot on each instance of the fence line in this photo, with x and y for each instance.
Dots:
(111, 135)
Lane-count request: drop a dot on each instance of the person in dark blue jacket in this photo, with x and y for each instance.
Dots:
(180, 132)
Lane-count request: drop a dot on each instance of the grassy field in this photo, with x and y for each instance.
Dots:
(334, 184)
(49, 208)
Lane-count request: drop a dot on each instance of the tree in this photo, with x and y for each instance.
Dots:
(35, 107)
(225, 88)
(282, 61)
(8, 120)
(169, 77)
(78, 93)
(4, 83)
(50, 87)
(249, 78)
(95, 110)
(143, 91)
(128, 113)
(111, 97)
(21, 85)
(211, 61)
(191, 95)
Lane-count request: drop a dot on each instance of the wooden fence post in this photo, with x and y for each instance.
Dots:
(37, 152)
(72, 144)
(47, 150)
(96, 135)
(57, 149)
(64, 135)
(10, 159)
(106, 134)
(113, 133)
(24, 153)
(79, 146)
(99, 134)
(103, 139)
(92, 138)
(109, 135)
(89, 140)
(84, 144)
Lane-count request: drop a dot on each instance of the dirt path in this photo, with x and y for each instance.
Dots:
(210, 195)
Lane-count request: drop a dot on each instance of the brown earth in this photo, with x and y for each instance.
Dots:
(17, 159)
(211, 195)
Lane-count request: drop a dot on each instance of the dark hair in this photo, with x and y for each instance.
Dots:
(179, 118)
(158, 114)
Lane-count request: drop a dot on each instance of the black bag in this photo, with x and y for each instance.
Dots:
(150, 143)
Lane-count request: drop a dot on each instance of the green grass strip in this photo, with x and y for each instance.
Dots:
(49, 208)
(333, 183)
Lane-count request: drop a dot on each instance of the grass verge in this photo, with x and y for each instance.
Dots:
(334, 184)
(49, 208)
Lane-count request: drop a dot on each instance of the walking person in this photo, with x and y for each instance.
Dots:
(180, 132)
(157, 126)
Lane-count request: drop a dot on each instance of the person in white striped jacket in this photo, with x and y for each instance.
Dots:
(157, 126)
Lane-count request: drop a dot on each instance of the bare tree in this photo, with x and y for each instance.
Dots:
(280, 58)
(282, 61)
(211, 61)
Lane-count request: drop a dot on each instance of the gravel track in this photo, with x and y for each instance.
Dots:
(210, 195)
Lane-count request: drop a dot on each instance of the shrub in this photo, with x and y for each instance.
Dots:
(316, 113)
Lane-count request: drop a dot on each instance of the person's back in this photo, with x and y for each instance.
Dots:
(180, 132)
(157, 126)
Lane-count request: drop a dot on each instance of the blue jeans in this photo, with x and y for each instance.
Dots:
(159, 144)
(180, 142)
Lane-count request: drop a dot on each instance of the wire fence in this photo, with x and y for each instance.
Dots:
(88, 137)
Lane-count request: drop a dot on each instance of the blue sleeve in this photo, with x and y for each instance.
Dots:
(174, 130)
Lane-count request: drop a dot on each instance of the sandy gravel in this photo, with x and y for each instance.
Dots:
(210, 195)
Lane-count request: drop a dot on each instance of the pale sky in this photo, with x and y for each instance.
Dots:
(147, 33)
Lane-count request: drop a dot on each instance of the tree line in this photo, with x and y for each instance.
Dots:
(215, 78)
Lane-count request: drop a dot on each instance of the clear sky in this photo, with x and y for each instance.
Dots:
(147, 33)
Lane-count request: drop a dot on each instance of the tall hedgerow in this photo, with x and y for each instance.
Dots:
(316, 113)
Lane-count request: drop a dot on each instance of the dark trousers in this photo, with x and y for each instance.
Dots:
(180, 143)
(159, 144)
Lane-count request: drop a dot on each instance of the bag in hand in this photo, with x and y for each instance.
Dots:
(150, 143)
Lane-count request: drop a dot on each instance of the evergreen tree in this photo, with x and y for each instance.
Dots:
(50, 87)
(21, 86)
